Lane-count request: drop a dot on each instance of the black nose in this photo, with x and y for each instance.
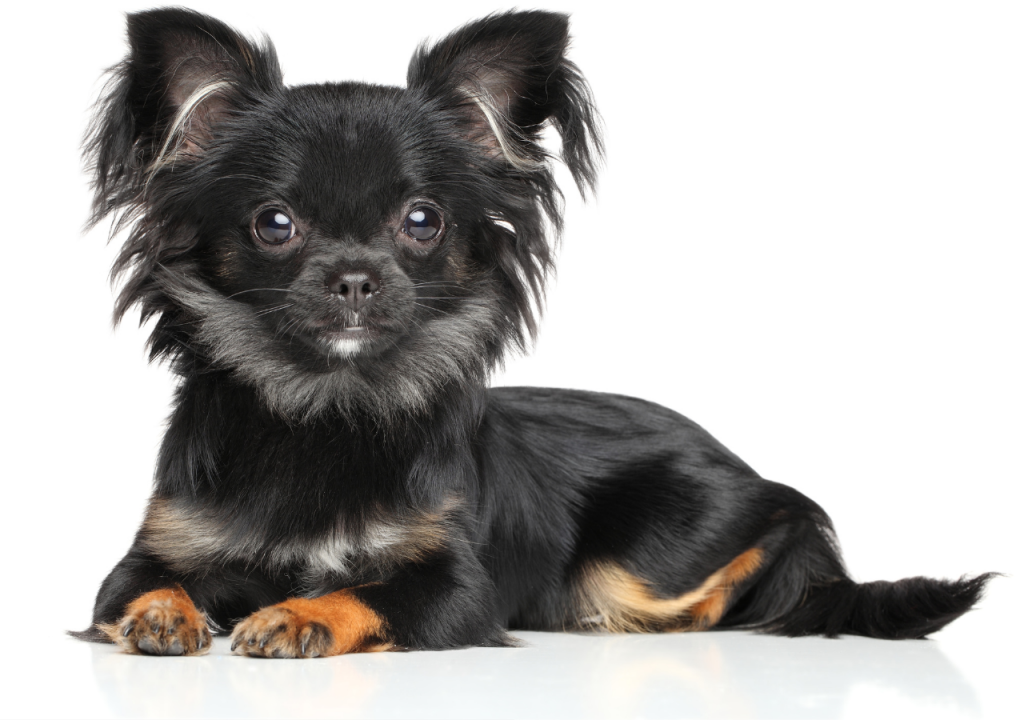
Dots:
(354, 287)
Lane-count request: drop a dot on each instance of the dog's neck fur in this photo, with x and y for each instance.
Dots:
(440, 357)
(224, 443)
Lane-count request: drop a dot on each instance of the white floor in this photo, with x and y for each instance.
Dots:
(969, 670)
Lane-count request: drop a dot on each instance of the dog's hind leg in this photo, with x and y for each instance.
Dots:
(612, 598)
(805, 590)
(766, 560)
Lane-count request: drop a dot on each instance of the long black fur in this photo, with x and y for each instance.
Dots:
(293, 466)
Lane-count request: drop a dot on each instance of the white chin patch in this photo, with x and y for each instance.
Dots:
(346, 347)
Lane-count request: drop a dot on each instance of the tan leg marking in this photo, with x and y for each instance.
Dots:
(161, 622)
(612, 598)
(188, 535)
(329, 625)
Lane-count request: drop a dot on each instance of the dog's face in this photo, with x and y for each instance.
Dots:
(339, 245)
(344, 234)
(336, 230)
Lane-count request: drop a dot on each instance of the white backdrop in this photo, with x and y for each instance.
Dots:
(808, 238)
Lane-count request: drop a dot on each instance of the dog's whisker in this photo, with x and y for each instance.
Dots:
(277, 308)
(416, 322)
(242, 292)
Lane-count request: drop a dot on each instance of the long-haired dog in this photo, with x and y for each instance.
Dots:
(334, 270)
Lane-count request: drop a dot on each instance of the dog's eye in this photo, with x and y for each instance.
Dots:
(423, 224)
(274, 227)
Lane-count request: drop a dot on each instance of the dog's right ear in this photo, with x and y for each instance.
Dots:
(185, 72)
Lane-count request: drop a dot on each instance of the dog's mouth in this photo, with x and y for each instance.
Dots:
(350, 331)
(346, 340)
(333, 332)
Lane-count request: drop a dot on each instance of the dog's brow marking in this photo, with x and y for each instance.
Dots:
(611, 597)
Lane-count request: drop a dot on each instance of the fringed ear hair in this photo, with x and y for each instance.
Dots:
(510, 73)
(183, 74)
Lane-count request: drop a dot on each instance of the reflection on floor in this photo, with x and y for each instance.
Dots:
(726, 674)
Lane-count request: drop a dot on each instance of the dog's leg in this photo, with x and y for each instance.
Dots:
(161, 622)
(142, 608)
(612, 598)
(444, 600)
(331, 624)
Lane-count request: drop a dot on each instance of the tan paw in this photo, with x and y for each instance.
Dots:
(279, 632)
(162, 622)
(299, 628)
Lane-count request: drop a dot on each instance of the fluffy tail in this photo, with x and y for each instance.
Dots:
(805, 590)
(909, 608)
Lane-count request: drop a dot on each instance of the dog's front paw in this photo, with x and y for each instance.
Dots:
(162, 622)
(278, 631)
(300, 628)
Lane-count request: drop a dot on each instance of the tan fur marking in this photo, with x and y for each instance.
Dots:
(423, 537)
(460, 267)
(708, 612)
(161, 622)
(329, 625)
(612, 598)
(188, 536)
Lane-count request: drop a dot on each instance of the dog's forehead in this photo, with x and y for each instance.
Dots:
(353, 148)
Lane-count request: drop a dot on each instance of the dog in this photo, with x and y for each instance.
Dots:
(334, 271)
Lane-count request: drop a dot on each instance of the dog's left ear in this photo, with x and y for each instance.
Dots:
(509, 74)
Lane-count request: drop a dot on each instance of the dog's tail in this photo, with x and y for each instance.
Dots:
(908, 608)
(805, 590)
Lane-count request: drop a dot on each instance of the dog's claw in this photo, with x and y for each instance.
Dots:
(128, 629)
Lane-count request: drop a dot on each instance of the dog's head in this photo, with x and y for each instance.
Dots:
(342, 245)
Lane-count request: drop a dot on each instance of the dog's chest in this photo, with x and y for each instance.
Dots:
(190, 538)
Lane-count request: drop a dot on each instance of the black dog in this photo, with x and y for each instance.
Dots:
(334, 271)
